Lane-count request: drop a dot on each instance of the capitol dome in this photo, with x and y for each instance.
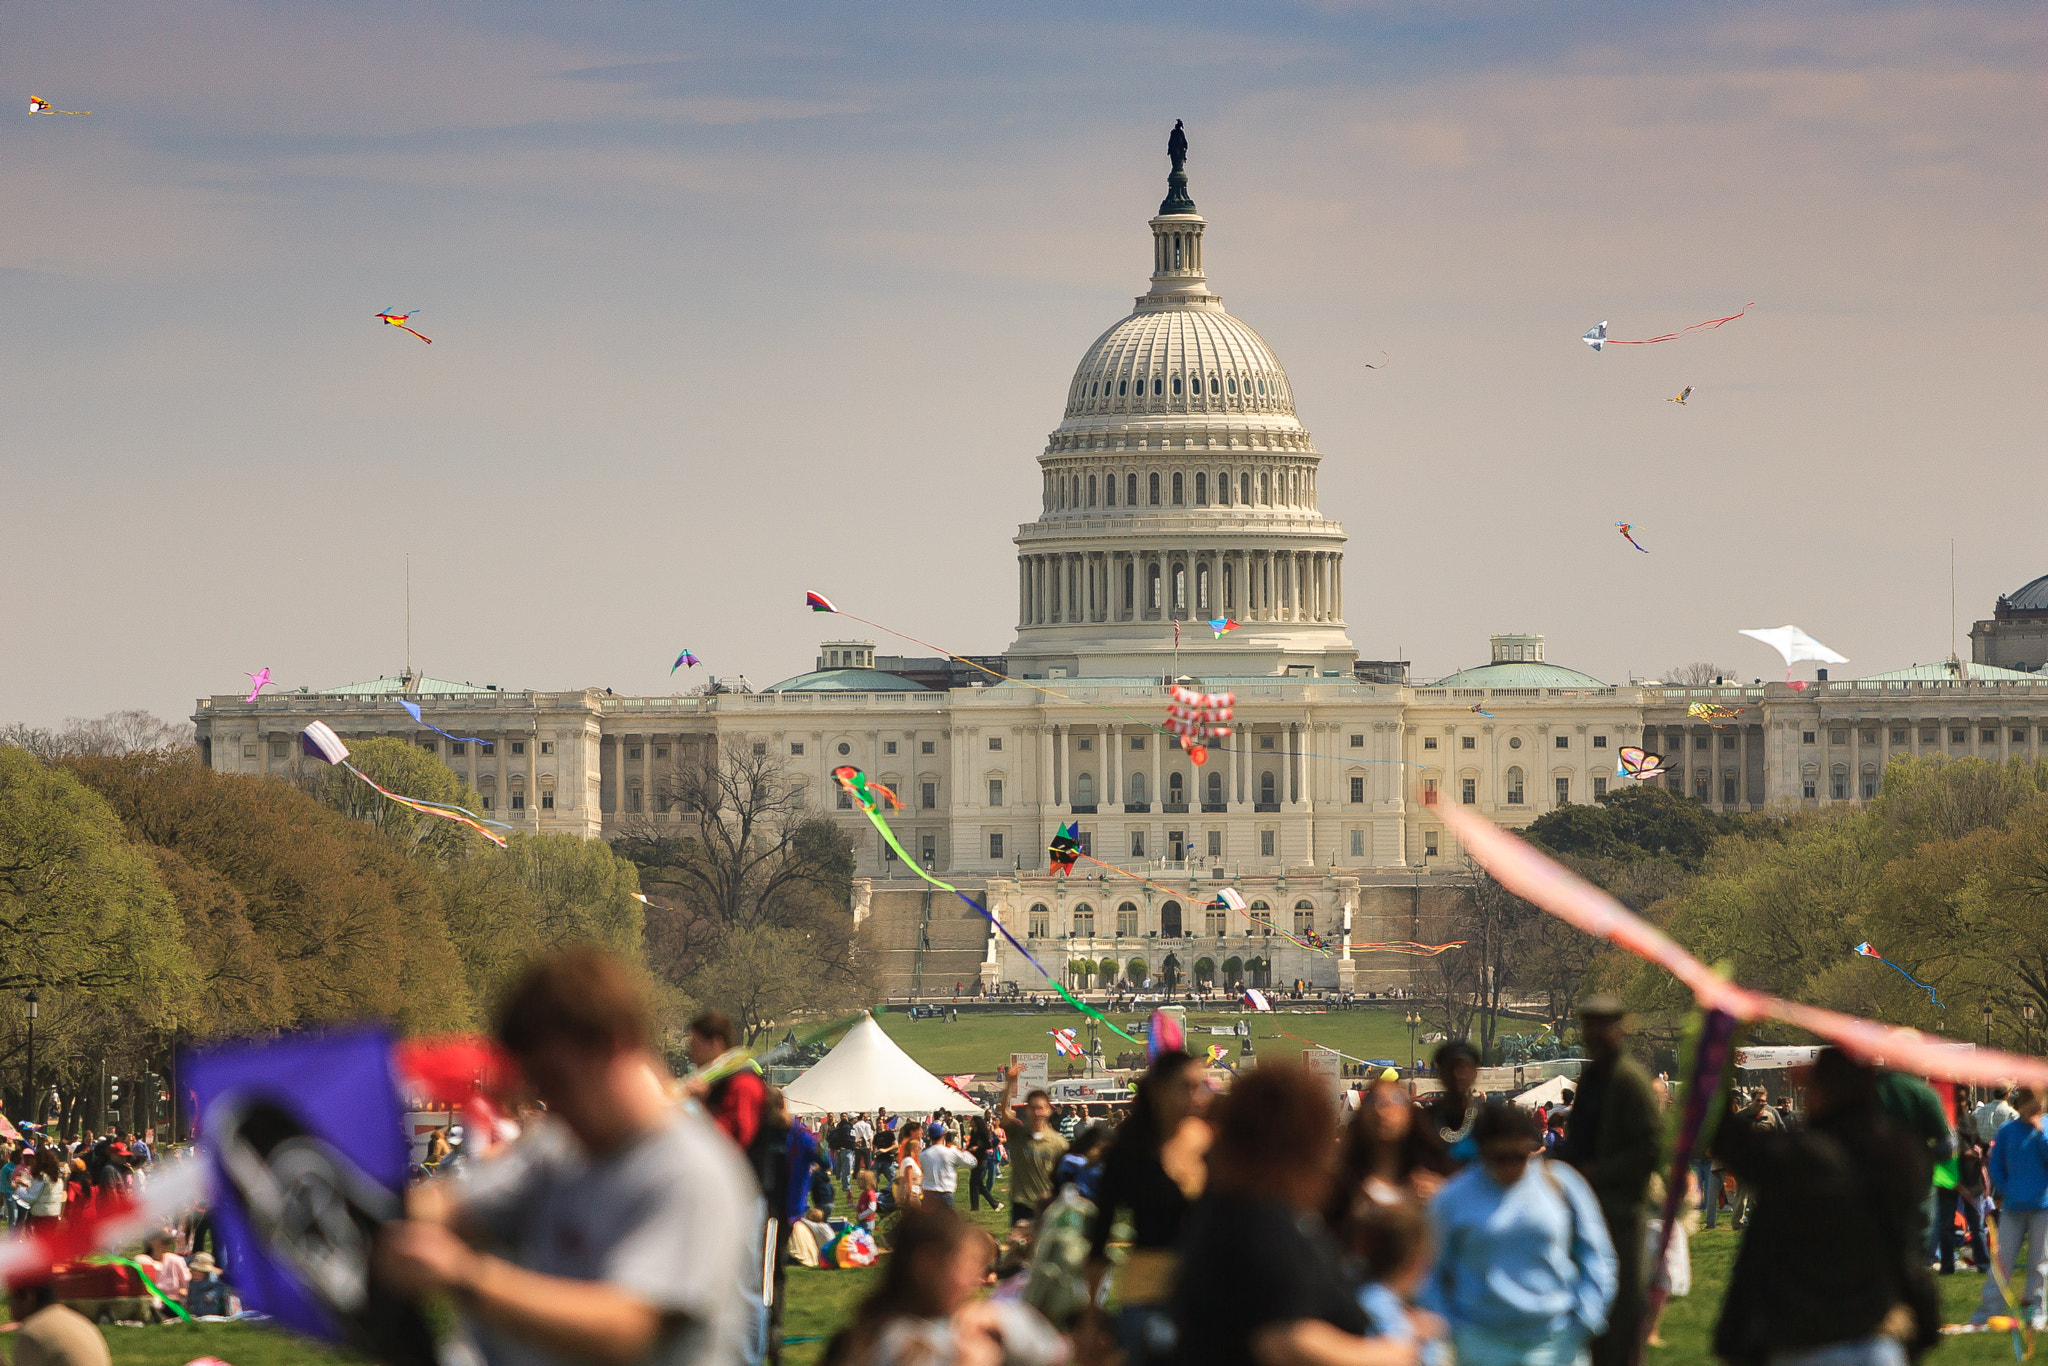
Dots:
(1180, 487)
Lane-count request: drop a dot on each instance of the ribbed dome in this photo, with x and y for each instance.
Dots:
(2032, 598)
(1191, 358)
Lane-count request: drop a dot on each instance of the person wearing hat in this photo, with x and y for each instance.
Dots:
(1612, 1139)
(207, 1295)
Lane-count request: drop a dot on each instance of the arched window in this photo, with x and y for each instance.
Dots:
(1215, 386)
(1060, 496)
(1084, 789)
(1304, 917)
(1176, 251)
(1130, 586)
(1091, 490)
(1109, 490)
(1176, 489)
(1201, 490)
(1126, 919)
(1266, 788)
(1229, 583)
(1265, 488)
(1155, 490)
(1262, 386)
(1152, 588)
(1176, 789)
(1202, 589)
(1077, 490)
(1123, 386)
(1233, 384)
(1169, 920)
(1131, 490)
(1215, 789)
(1515, 795)
(1039, 925)
(1137, 789)
(1084, 921)
(1176, 386)
(1158, 386)
(1223, 489)
(1180, 592)
(1091, 388)
(1262, 920)
(1245, 488)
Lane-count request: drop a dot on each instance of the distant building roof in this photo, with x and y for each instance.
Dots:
(409, 685)
(848, 680)
(2032, 598)
(1521, 675)
(1948, 670)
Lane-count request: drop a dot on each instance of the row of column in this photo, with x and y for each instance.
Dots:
(1157, 585)
(1678, 756)
(1790, 771)
(1304, 774)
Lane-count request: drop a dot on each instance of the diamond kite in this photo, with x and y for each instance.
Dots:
(398, 320)
(1868, 952)
(818, 602)
(1065, 847)
(1598, 337)
(1795, 645)
(1221, 624)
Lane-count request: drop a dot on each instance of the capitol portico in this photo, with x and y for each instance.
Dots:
(1179, 486)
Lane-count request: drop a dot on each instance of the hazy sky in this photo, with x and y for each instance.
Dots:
(731, 302)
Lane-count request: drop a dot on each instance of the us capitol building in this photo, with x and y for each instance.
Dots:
(1180, 485)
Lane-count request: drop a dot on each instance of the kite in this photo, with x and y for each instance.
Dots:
(684, 658)
(38, 105)
(1625, 530)
(1795, 645)
(1383, 362)
(1708, 711)
(818, 602)
(1639, 764)
(1256, 999)
(863, 793)
(397, 320)
(1482, 711)
(413, 708)
(1222, 624)
(865, 790)
(1868, 952)
(1409, 946)
(1198, 716)
(1064, 1043)
(1065, 847)
(320, 741)
(1683, 395)
(1230, 898)
(1164, 1034)
(1542, 882)
(1217, 1053)
(258, 681)
(1598, 337)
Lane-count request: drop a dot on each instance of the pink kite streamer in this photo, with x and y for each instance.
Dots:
(1519, 868)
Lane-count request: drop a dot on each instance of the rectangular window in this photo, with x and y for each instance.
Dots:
(546, 747)
(1707, 741)
(1216, 923)
(1728, 790)
(1358, 844)
(1807, 789)
(1137, 844)
(633, 751)
(519, 801)
(547, 801)
(1429, 742)
(1266, 844)
(995, 846)
(1599, 742)
(1215, 844)
(248, 751)
(519, 747)
(1727, 742)
(796, 749)
(1898, 737)
(280, 748)
(845, 799)
(1840, 786)
(1564, 791)
(995, 791)
(633, 800)
(995, 742)
(930, 747)
(1987, 737)
(1869, 736)
(1929, 735)
(1806, 737)
(760, 749)
(1470, 791)
(489, 747)
(888, 746)
(1358, 789)
(1428, 791)
(1468, 742)
(660, 751)
(456, 749)
(1957, 735)
(1087, 743)
(1358, 742)
(1429, 844)
(487, 801)
(2019, 737)
(1564, 742)
(1838, 737)
(1599, 788)
(1265, 742)
(928, 849)
(1137, 742)
(430, 746)
(928, 796)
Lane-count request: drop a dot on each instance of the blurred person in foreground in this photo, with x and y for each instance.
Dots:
(1452, 1110)
(47, 1333)
(1525, 1268)
(618, 1230)
(2019, 1173)
(1261, 1282)
(1830, 1272)
(1390, 1152)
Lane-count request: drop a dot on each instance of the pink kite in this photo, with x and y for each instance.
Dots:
(260, 680)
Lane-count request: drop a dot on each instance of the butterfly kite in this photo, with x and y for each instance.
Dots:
(1795, 645)
(1708, 711)
(1065, 847)
(684, 658)
(1482, 711)
(320, 741)
(398, 320)
(413, 709)
(1626, 534)
(1639, 764)
(1198, 716)
(1868, 952)
(1683, 395)
(258, 681)
(38, 105)
(1598, 338)
(1222, 624)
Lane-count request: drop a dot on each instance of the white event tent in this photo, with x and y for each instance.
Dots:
(865, 1071)
(1551, 1092)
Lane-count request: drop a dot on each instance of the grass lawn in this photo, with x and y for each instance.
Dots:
(820, 1301)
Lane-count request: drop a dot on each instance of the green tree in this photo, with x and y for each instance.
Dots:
(582, 889)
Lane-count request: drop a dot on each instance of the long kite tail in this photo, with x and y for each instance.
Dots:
(1712, 1052)
(403, 328)
(1076, 1002)
(446, 811)
(1674, 336)
(1924, 986)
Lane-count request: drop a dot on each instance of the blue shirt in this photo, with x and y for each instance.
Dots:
(1527, 1263)
(2019, 1166)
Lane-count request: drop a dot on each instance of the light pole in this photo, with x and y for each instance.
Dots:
(1414, 1063)
(28, 1090)
(1987, 1024)
(2027, 1014)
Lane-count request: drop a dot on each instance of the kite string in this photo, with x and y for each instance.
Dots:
(1926, 987)
(1673, 336)
(889, 835)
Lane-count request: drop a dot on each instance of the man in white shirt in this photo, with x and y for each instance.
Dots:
(941, 1163)
(863, 1143)
(1993, 1115)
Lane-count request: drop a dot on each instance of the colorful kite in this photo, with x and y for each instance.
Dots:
(1482, 711)
(38, 105)
(818, 602)
(1198, 716)
(413, 709)
(320, 741)
(1626, 535)
(1164, 1034)
(1064, 1043)
(258, 681)
(1229, 898)
(1598, 337)
(1868, 952)
(1795, 645)
(1708, 711)
(398, 320)
(1065, 848)
(1683, 395)
(684, 658)
(1217, 1053)
(1639, 764)
(1410, 947)
(1256, 999)
(1222, 624)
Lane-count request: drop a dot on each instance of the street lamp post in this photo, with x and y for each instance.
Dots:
(2027, 1014)
(1987, 1024)
(1414, 1062)
(28, 1090)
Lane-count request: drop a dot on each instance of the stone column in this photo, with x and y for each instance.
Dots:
(1856, 759)
(1059, 765)
(1231, 793)
(1045, 783)
(1157, 797)
(1113, 764)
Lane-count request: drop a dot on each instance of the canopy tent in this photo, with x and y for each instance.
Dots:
(1551, 1092)
(866, 1070)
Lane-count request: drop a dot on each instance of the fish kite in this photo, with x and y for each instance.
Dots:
(1868, 952)
(1482, 711)
(1064, 1043)
(397, 320)
(1065, 848)
(1626, 535)
(1222, 624)
(1795, 645)
(38, 105)
(818, 602)
(1598, 337)
(413, 708)
(1198, 716)
(320, 742)
(1708, 711)
(1639, 764)
(1683, 395)
(258, 682)
(684, 658)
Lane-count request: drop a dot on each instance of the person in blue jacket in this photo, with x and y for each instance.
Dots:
(2019, 1178)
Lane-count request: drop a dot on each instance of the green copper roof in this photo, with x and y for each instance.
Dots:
(1519, 675)
(422, 684)
(1944, 672)
(847, 680)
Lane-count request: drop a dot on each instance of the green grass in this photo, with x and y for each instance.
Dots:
(821, 1301)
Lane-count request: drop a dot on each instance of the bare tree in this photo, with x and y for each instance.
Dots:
(1698, 674)
(113, 735)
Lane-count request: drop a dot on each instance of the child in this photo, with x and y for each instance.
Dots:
(1392, 1239)
(864, 1200)
(925, 1311)
(207, 1296)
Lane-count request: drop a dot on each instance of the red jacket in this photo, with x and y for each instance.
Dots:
(735, 1103)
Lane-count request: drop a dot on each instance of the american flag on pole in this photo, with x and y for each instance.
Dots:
(1065, 1044)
